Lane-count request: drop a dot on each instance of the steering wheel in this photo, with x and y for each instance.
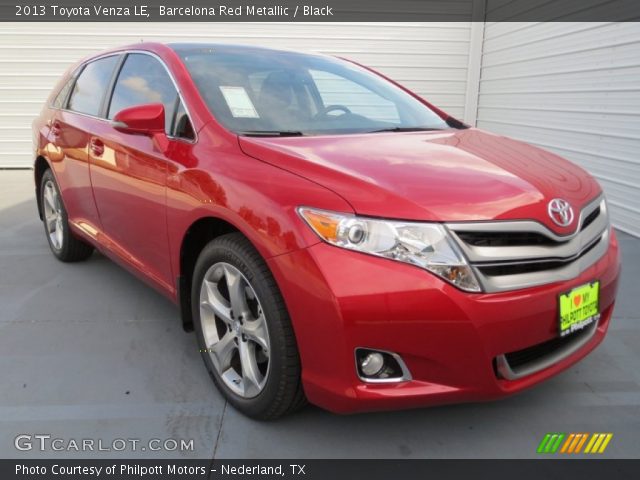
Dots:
(333, 108)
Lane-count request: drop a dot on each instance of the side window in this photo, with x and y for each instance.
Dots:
(143, 80)
(61, 98)
(182, 125)
(336, 90)
(91, 86)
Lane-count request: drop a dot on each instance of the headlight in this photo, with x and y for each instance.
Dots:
(426, 245)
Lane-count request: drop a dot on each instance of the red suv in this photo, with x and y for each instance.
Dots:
(330, 235)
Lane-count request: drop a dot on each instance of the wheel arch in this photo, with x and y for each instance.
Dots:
(196, 237)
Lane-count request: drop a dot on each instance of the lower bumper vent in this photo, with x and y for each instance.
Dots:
(527, 361)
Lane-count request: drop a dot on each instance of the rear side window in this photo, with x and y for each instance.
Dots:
(142, 80)
(91, 86)
(61, 98)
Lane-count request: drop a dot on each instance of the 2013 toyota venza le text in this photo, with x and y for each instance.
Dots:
(330, 235)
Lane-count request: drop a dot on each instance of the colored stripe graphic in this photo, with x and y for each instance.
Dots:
(556, 445)
(550, 443)
(581, 443)
(598, 443)
(543, 443)
(576, 439)
(565, 447)
(591, 442)
(572, 443)
(606, 442)
(575, 443)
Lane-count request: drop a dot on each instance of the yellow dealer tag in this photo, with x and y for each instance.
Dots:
(579, 307)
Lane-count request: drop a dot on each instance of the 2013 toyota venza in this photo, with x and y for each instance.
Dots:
(329, 235)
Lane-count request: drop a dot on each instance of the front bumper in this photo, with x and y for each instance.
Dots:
(340, 300)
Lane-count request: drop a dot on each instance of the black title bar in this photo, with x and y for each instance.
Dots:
(318, 10)
(317, 469)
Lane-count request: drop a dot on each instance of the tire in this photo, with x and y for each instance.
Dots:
(244, 331)
(63, 244)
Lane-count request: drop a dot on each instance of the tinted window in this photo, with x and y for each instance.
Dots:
(61, 98)
(142, 80)
(182, 125)
(91, 85)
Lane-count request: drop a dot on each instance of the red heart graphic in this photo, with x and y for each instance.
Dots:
(577, 300)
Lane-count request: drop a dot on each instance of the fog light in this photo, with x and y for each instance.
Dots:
(379, 366)
(372, 364)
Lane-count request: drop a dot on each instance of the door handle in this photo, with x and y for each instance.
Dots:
(55, 129)
(97, 147)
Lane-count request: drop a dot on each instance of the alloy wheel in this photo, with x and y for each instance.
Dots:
(53, 215)
(235, 332)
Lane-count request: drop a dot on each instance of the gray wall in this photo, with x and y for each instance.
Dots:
(573, 88)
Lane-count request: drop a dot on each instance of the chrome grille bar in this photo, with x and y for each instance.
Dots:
(558, 258)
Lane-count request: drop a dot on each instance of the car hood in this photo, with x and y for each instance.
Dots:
(451, 175)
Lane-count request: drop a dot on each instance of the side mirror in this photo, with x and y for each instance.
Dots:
(145, 120)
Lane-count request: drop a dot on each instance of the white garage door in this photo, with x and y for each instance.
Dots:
(431, 59)
(573, 88)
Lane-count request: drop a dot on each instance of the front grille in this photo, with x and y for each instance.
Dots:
(502, 239)
(529, 267)
(521, 358)
(589, 219)
(509, 255)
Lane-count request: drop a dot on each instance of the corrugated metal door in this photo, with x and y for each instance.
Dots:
(431, 59)
(573, 88)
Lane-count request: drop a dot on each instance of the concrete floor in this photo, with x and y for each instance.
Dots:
(88, 351)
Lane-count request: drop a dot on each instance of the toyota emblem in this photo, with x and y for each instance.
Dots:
(560, 212)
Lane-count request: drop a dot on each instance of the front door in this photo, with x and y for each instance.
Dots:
(129, 172)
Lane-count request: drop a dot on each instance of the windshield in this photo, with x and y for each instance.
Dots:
(265, 92)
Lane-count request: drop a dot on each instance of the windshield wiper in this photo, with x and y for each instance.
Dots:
(271, 133)
(405, 129)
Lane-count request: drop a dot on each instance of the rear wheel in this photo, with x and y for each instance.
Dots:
(63, 244)
(244, 331)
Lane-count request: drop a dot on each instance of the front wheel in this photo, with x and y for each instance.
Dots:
(63, 244)
(243, 329)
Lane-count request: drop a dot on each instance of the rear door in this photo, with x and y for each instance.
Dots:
(79, 105)
(129, 172)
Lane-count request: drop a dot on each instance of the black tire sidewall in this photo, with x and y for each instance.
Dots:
(219, 251)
